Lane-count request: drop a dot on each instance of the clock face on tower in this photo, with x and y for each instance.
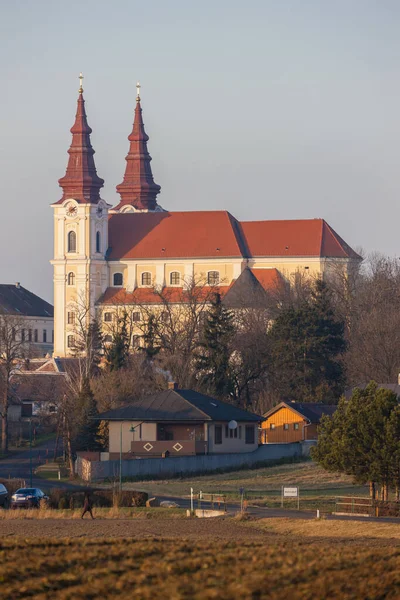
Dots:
(71, 210)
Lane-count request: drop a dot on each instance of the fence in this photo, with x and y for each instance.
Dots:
(356, 507)
(94, 470)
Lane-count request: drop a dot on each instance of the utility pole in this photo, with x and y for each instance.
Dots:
(30, 453)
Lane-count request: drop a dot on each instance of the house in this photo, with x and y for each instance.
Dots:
(293, 422)
(178, 422)
(31, 317)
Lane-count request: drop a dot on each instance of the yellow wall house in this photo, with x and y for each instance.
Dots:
(100, 251)
(293, 422)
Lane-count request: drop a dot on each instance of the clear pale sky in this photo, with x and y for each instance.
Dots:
(271, 109)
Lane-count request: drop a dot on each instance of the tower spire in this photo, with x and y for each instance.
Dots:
(81, 181)
(138, 188)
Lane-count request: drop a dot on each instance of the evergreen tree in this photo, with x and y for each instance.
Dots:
(87, 436)
(151, 345)
(117, 353)
(306, 346)
(212, 357)
(361, 438)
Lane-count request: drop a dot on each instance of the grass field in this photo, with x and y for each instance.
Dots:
(201, 570)
(318, 488)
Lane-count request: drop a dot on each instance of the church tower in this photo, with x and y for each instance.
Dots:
(80, 238)
(138, 190)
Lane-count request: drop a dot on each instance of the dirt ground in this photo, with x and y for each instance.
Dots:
(197, 529)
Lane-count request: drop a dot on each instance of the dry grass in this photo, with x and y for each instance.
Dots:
(99, 513)
(178, 569)
(333, 529)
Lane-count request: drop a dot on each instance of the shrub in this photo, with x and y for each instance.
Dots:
(12, 485)
(59, 498)
(63, 503)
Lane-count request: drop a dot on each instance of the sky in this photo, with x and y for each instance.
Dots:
(269, 109)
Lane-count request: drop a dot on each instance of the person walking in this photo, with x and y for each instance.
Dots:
(87, 505)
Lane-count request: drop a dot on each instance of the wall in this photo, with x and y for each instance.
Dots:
(279, 434)
(146, 467)
(232, 444)
(148, 430)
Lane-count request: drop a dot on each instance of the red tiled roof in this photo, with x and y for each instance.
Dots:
(119, 296)
(210, 234)
(270, 279)
(311, 237)
(173, 235)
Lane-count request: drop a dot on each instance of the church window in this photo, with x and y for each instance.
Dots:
(44, 336)
(35, 335)
(98, 245)
(22, 335)
(175, 278)
(213, 278)
(118, 279)
(71, 341)
(30, 335)
(71, 241)
(136, 316)
(108, 317)
(146, 278)
(71, 278)
(71, 318)
(135, 341)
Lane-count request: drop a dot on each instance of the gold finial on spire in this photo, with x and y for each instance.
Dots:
(138, 92)
(80, 83)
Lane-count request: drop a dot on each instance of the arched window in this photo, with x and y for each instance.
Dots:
(118, 279)
(146, 278)
(71, 241)
(213, 277)
(175, 278)
(71, 341)
(71, 278)
(98, 245)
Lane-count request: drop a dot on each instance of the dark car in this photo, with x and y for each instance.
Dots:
(27, 498)
(4, 498)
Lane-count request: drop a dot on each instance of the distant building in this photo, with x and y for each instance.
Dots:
(178, 422)
(34, 318)
(293, 422)
(108, 256)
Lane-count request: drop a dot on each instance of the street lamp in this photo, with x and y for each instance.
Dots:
(133, 427)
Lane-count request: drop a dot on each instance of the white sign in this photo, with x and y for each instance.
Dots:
(290, 492)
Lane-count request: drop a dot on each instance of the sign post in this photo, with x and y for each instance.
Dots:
(291, 492)
(191, 501)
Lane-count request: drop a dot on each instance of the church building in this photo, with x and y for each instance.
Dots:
(103, 253)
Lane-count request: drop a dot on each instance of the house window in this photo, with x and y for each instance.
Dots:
(30, 335)
(218, 434)
(22, 335)
(71, 241)
(213, 278)
(44, 336)
(108, 317)
(286, 426)
(240, 432)
(71, 278)
(249, 434)
(136, 316)
(71, 341)
(98, 245)
(233, 433)
(295, 426)
(175, 278)
(146, 278)
(35, 336)
(118, 279)
(71, 318)
(272, 426)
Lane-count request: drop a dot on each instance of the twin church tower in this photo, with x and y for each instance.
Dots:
(105, 257)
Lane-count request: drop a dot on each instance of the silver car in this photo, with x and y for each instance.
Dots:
(4, 498)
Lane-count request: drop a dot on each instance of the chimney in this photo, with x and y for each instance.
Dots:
(172, 385)
(17, 285)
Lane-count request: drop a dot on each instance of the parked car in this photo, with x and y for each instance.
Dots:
(4, 498)
(27, 498)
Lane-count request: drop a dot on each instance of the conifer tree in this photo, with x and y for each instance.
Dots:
(212, 358)
(87, 436)
(151, 345)
(117, 353)
(306, 346)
